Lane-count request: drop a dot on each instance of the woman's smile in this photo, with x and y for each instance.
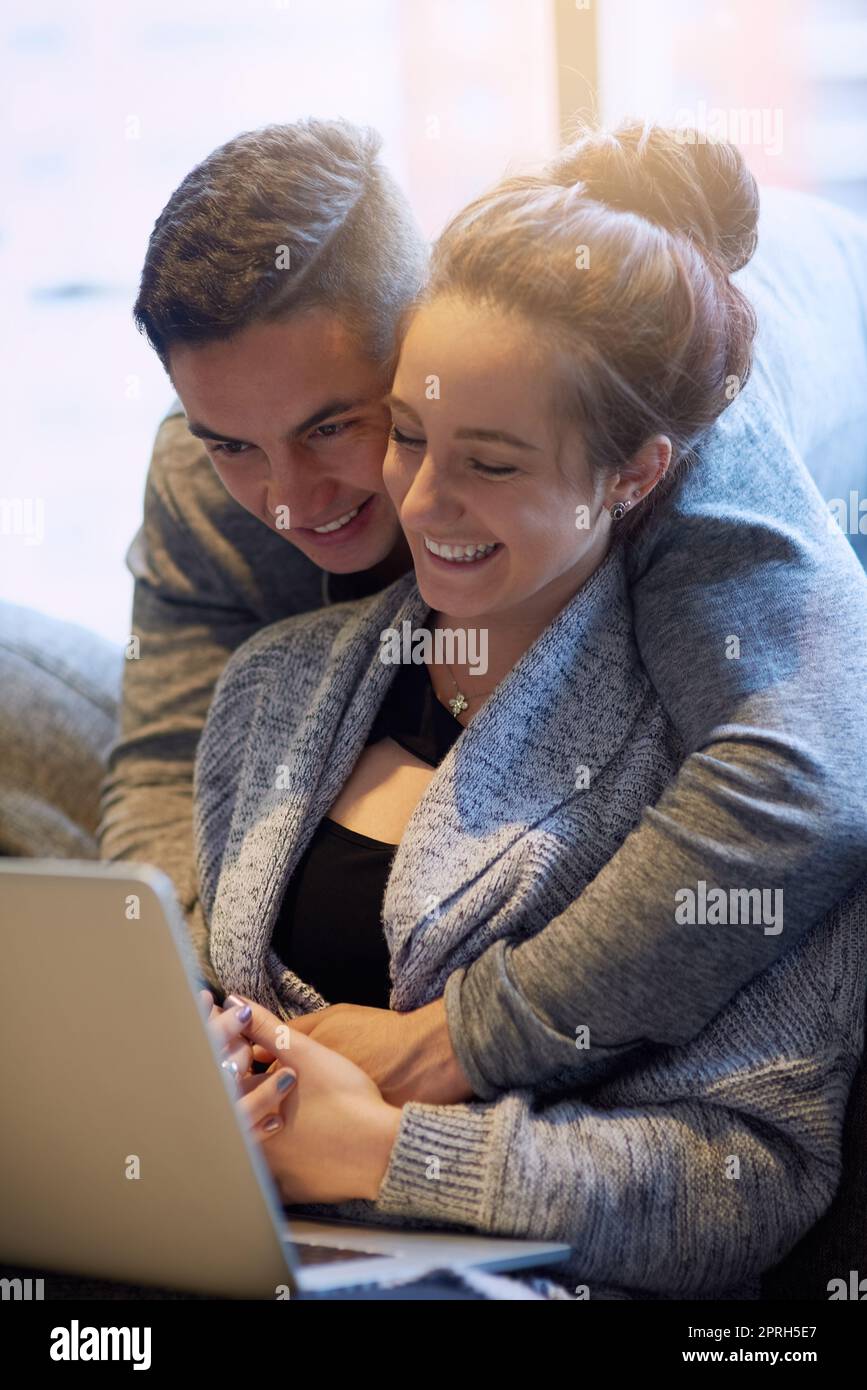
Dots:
(461, 552)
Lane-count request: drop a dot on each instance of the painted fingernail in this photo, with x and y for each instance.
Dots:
(285, 1080)
(273, 1122)
(233, 1001)
(245, 1014)
(231, 1066)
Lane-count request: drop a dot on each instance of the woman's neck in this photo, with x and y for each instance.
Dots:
(503, 640)
(511, 632)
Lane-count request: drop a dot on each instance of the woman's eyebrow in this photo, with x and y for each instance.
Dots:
(489, 436)
(497, 437)
(392, 400)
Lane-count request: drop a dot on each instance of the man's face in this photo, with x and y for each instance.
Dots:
(292, 416)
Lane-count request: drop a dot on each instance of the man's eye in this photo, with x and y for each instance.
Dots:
(404, 440)
(230, 449)
(334, 430)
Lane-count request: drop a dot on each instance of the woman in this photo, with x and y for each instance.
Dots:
(361, 824)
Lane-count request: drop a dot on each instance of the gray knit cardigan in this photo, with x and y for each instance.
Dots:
(695, 1167)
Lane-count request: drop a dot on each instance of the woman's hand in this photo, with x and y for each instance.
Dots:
(337, 1132)
(238, 1056)
(409, 1056)
(261, 1095)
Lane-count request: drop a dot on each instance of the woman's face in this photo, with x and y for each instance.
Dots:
(472, 462)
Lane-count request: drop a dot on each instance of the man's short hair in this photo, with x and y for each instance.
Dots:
(278, 220)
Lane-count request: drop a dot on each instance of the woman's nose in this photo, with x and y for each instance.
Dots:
(429, 500)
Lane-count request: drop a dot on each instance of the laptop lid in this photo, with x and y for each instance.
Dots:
(140, 1172)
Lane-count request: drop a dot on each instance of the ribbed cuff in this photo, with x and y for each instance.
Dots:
(441, 1167)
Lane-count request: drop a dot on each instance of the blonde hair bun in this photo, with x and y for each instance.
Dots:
(679, 179)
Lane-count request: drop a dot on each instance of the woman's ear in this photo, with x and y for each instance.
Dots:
(647, 467)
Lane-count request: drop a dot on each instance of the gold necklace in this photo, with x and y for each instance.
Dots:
(459, 701)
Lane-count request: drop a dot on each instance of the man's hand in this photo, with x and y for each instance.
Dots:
(409, 1056)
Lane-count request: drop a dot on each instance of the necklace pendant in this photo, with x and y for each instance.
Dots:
(458, 704)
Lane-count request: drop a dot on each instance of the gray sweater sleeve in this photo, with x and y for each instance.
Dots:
(207, 576)
(693, 1173)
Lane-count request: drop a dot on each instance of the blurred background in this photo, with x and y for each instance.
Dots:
(108, 103)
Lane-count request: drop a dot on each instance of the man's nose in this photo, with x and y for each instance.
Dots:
(298, 484)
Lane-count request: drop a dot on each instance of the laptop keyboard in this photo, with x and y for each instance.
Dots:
(327, 1254)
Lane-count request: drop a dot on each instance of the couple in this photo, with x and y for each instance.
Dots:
(368, 834)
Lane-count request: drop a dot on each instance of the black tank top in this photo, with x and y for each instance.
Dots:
(329, 929)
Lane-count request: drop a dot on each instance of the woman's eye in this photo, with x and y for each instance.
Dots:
(404, 440)
(490, 470)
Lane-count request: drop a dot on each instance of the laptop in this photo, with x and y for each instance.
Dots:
(122, 1155)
